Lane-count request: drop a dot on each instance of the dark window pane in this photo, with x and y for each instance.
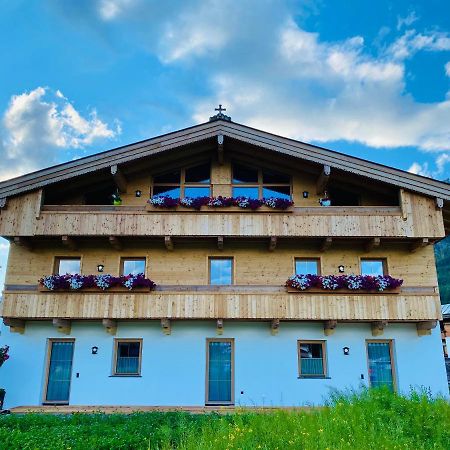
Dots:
(306, 266)
(169, 191)
(220, 271)
(197, 191)
(372, 267)
(71, 266)
(133, 266)
(251, 192)
(277, 191)
(198, 174)
(272, 177)
(311, 358)
(170, 177)
(243, 174)
(380, 364)
(128, 357)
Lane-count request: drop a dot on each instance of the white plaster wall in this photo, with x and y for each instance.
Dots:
(173, 367)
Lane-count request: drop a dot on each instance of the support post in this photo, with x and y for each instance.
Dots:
(62, 325)
(115, 243)
(424, 328)
(165, 325)
(329, 327)
(322, 181)
(274, 326)
(15, 325)
(23, 242)
(219, 328)
(272, 243)
(110, 326)
(418, 244)
(378, 327)
(69, 242)
(119, 178)
(220, 151)
(168, 242)
(220, 242)
(373, 244)
(326, 244)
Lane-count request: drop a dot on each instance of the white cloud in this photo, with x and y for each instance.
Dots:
(407, 20)
(38, 124)
(111, 9)
(424, 169)
(420, 169)
(447, 69)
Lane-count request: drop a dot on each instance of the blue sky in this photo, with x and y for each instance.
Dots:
(366, 78)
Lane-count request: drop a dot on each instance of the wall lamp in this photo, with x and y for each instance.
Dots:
(138, 193)
(94, 350)
(341, 269)
(305, 194)
(100, 267)
(346, 351)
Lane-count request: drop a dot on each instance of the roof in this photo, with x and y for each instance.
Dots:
(445, 309)
(228, 129)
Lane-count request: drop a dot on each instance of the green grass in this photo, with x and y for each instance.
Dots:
(370, 419)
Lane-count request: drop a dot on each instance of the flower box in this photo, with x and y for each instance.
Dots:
(218, 209)
(315, 290)
(115, 289)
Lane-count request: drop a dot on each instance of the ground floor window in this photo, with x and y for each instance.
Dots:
(379, 355)
(311, 358)
(220, 371)
(59, 370)
(127, 357)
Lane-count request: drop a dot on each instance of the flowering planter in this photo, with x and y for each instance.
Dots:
(218, 209)
(2, 397)
(315, 290)
(115, 289)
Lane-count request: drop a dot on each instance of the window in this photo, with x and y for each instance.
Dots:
(373, 267)
(65, 266)
(127, 358)
(305, 266)
(379, 355)
(221, 271)
(260, 183)
(187, 182)
(219, 371)
(311, 356)
(132, 266)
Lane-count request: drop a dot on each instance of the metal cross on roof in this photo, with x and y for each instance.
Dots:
(220, 115)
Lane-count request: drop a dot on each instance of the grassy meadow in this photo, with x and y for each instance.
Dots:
(371, 419)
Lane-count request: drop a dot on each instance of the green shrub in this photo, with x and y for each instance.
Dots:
(368, 419)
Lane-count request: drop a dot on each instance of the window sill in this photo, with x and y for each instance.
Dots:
(306, 377)
(125, 376)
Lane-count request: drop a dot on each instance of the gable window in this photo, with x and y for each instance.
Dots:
(220, 271)
(67, 265)
(132, 266)
(260, 183)
(311, 357)
(127, 356)
(373, 267)
(305, 266)
(192, 181)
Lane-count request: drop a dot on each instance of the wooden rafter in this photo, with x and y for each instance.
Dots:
(329, 327)
(323, 179)
(373, 244)
(418, 244)
(110, 326)
(69, 242)
(424, 328)
(378, 327)
(168, 242)
(115, 243)
(219, 327)
(220, 242)
(272, 243)
(220, 151)
(15, 325)
(23, 242)
(326, 244)
(166, 327)
(62, 325)
(119, 178)
(274, 326)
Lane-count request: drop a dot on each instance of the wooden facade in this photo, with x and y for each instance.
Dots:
(396, 218)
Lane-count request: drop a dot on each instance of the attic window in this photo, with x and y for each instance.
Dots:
(192, 181)
(260, 183)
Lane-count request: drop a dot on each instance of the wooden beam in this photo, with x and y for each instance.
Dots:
(329, 327)
(378, 327)
(3, 202)
(63, 325)
(15, 325)
(272, 243)
(424, 328)
(110, 326)
(418, 244)
(119, 178)
(23, 242)
(326, 244)
(323, 179)
(165, 325)
(274, 326)
(220, 151)
(219, 328)
(220, 242)
(439, 203)
(115, 242)
(69, 242)
(372, 244)
(168, 242)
